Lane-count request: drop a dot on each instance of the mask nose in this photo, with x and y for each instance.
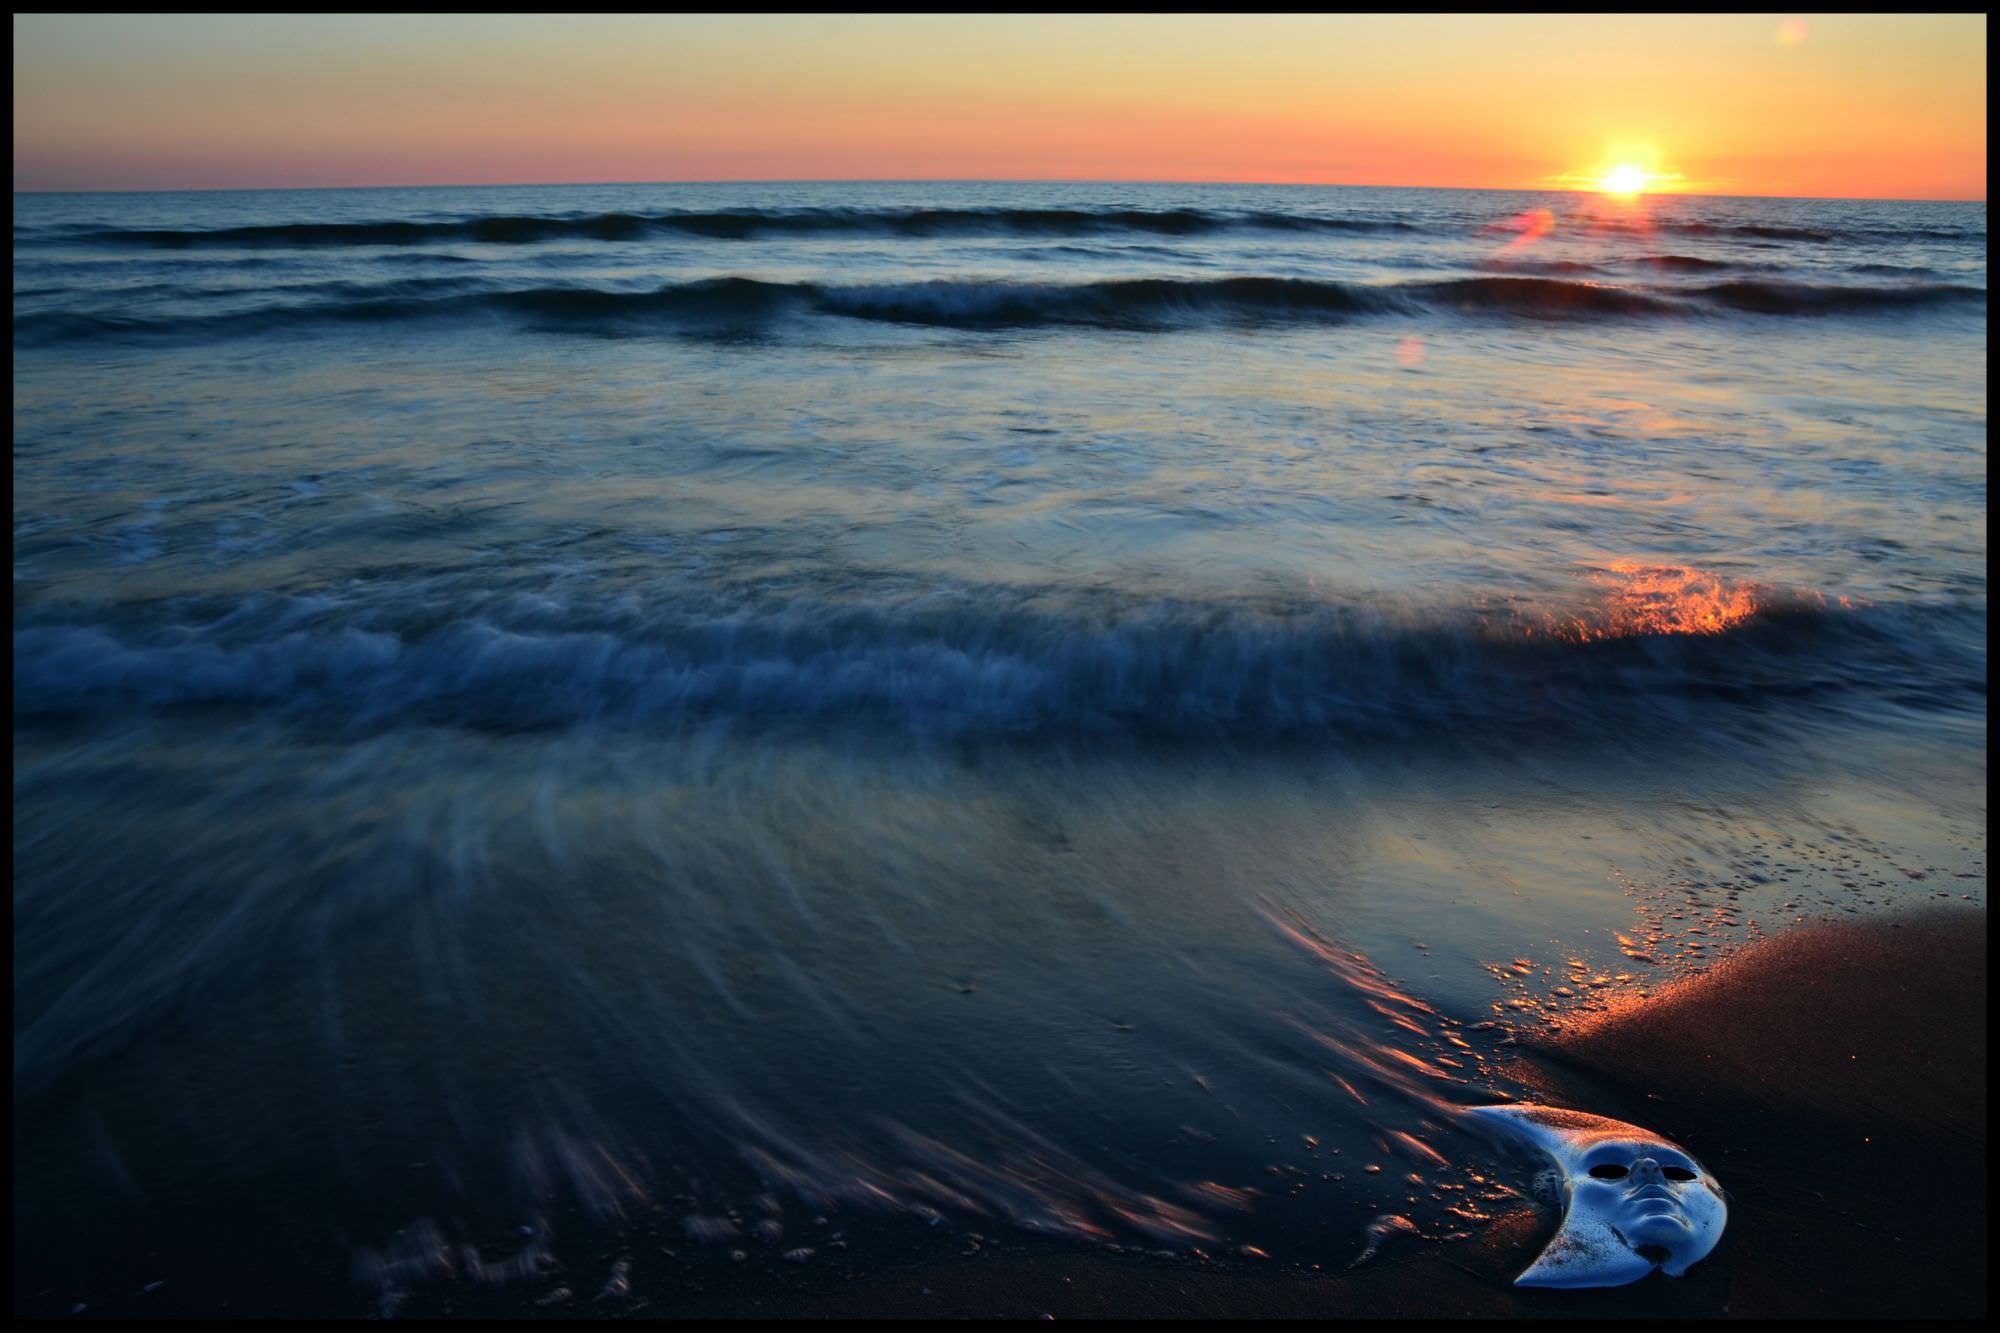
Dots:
(1647, 1172)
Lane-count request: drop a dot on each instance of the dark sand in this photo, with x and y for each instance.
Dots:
(1833, 1077)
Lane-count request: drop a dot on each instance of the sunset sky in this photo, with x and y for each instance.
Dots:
(1828, 105)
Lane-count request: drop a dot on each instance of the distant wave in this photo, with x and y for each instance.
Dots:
(1893, 270)
(996, 664)
(1758, 230)
(1690, 263)
(1800, 298)
(1547, 297)
(1515, 264)
(747, 224)
(750, 224)
(1139, 303)
(1769, 231)
(1624, 264)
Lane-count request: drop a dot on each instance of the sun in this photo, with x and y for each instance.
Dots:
(1626, 179)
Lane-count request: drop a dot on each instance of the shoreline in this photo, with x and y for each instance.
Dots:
(1826, 1074)
(1836, 1206)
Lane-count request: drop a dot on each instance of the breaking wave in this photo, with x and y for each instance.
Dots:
(957, 667)
(752, 224)
(749, 224)
(1802, 298)
(1765, 231)
(731, 302)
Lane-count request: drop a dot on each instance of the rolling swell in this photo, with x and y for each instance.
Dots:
(1687, 263)
(734, 301)
(1798, 298)
(752, 224)
(746, 224)
(1137, 303)
(1765, 231)
(968, 667)
(1545, 297)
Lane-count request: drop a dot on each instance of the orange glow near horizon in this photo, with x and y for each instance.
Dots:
(1879, 106)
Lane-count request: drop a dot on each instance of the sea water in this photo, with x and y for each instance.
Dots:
(1062, 710)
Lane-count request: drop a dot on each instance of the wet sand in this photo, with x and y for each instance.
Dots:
(1834, 1077)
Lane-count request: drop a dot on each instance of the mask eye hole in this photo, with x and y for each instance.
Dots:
(1608, 1171)
(1676, 1173)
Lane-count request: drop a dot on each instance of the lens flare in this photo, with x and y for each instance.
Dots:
(1528, 226)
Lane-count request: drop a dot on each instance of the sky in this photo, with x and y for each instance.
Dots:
(1847, 106)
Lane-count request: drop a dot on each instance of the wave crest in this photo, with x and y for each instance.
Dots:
(749, 224)
(964, 667)
(729, 303)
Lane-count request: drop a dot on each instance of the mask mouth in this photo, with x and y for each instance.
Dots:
(1651, 1192)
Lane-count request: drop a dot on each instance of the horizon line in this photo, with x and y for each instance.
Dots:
(1003, 180)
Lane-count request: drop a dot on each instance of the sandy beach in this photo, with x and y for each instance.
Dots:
(1834, 1077)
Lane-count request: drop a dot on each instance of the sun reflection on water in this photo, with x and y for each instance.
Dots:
(1640, 599)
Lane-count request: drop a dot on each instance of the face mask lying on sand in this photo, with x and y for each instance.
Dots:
(1632, 1202)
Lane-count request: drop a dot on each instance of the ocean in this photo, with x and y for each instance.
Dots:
(601, 739)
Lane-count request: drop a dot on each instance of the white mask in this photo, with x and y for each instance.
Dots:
(1631, 1200)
